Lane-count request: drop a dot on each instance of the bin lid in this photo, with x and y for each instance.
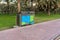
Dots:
(27, 12)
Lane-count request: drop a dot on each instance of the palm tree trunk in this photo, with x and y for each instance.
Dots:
(18, 6)
(18, 14)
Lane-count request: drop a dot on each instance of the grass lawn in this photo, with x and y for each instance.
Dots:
(8, 21)
(44, 17)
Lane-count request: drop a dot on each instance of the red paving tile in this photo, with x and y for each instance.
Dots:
(41, 31)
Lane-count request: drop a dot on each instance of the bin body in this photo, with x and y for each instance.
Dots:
(27, 18)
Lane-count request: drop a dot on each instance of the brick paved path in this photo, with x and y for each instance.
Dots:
(41, 31)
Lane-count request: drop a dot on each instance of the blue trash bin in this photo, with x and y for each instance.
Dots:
(27, 18)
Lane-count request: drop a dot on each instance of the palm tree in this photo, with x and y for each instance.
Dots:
(18, 14)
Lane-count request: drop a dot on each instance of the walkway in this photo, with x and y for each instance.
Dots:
(41, 31)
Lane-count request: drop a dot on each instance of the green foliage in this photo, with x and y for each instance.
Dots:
(11, 9)
(8, 8)
(43, 5)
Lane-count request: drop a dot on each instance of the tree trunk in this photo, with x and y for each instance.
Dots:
(7, 5)
(18, 6)
(48, 7)
(18, 14)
